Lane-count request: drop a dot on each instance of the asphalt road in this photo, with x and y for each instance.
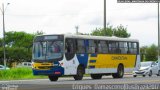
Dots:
(107, 82)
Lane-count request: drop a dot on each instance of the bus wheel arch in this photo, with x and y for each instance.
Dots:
(80, 72)
(120, 71)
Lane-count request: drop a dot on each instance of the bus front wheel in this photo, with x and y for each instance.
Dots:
(53, 78)
(80, 72)
(96, 76)
(120, 72)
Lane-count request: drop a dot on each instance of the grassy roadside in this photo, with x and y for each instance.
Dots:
(18, 73)
(22, 74)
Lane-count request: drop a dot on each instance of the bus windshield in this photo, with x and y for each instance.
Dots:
(48, 50)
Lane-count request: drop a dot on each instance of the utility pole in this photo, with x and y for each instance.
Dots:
(104, 14)
(158, 36)
(4, 38)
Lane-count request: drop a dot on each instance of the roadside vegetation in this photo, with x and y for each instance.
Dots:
(18, 47)
(149, 53)
(22, 74)
(18, 73)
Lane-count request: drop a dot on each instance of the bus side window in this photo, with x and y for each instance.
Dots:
(133, 47)
(92, 46)
(102, 47)
(123, 47)
(69, 49)
(69, 46)
(96, 46)
(99, 47)
(112, 47)
(80, 46)
(128, 52)
(118, 50)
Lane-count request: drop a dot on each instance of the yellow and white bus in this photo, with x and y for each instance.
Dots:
(76, 55)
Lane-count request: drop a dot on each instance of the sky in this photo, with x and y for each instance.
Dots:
(61, 16)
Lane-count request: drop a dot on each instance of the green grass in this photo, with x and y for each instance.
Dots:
(18, 73)
(22, 74)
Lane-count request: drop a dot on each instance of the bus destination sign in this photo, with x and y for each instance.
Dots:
(138, 1)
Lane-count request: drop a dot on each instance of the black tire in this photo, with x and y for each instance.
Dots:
(150, 74)
(53, 78)
(144, 75)
(80, 72)
(134, 75)
(96, 76)
(120, 72)
(158, 73)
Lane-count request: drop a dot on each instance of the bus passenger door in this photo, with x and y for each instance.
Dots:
(70, 57)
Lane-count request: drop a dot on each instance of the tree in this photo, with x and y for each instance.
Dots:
(1, 42)
(15, 54)
(19, 39)
(103, 32)
(143, 53)
(119, 31)
(151, 53)
(1, 55)
(39, 33)
(18, 46)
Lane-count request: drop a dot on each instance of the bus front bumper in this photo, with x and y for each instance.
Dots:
(55, 71)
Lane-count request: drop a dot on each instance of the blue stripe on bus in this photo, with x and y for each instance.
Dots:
(50, 72)
(83, 59)
(94, 55)
(90, 67)
(92, 61)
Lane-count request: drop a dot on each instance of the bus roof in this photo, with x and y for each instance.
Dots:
(113, 38)
(99, 37)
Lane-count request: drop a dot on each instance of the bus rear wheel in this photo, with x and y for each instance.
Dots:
(80, 72)
(53, 78)
(120, 72)
(134, 75)
(96, 76)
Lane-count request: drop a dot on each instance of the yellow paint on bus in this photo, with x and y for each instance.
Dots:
(112, 60)
(42, 66)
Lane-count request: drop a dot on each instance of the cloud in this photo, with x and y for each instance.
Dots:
(61, 16)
